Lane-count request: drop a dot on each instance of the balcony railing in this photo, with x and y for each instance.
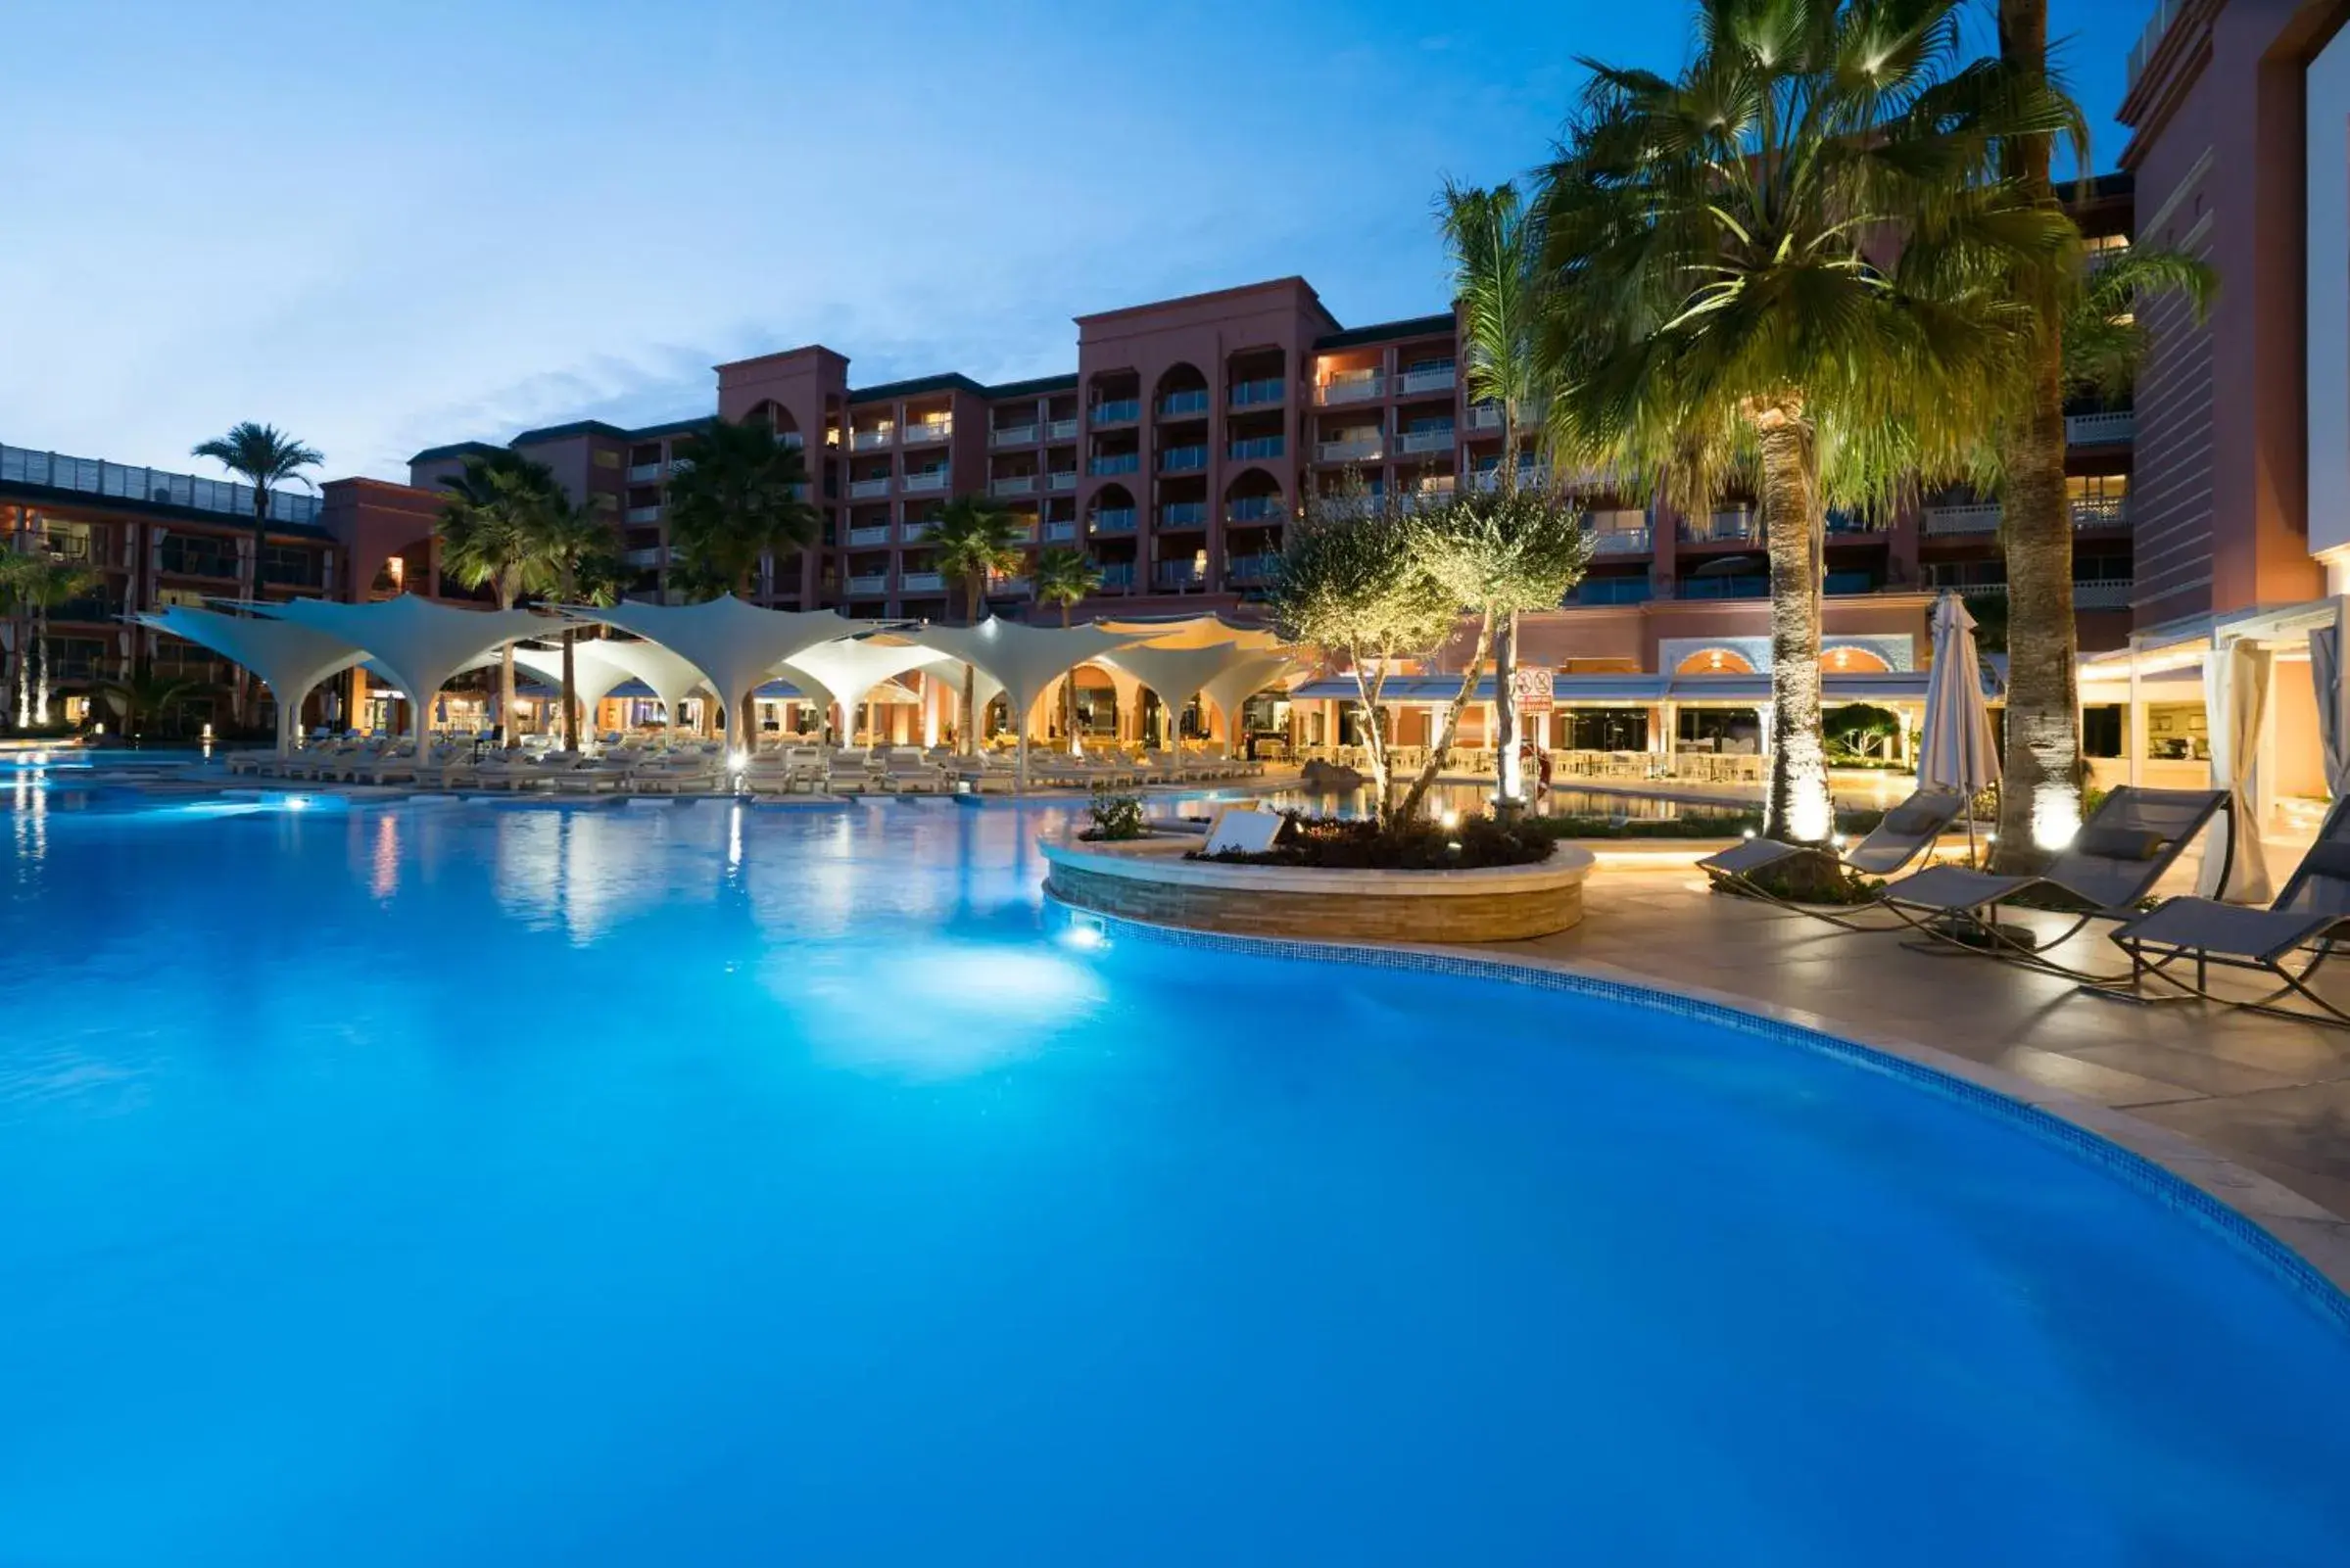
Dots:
(793, 440)
(926, 479)
(1259, 393)
(922, 582)
(868, 582)
(1179, 404)
(92, 476)
(1007, 588)
(1119, 575)
(1721, 528)
(1848, 583)
(1063, 479)
(644, 473)
(1255, 509)
(1118, 412)
(2102, 593)
(1418, 441)
(1529, 476)
(1060, 531)
(1114, 520)
(1178, 577)
(1983, 518)
(2100, 429)
(915, 532)
(866, 489)
(641, 515)
(865, 538)
(872, 440)
(1060, 430)
(1183, 514)
(1249, 570)
(1351, 389)
(1257, 446)
(1359, 449)
(926, 431)
(1013, 436)
(1749, 584)
(2101, 511)
(1429, 378)
(1123, 462)
(1013, 485)
(644, 555)
(1182, 459)
(1620, 540)
(1616, 591)
(1485, 416)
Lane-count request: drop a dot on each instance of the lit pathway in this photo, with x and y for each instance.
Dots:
(2266, 1093)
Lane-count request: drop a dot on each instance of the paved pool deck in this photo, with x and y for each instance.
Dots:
(2254, 1110)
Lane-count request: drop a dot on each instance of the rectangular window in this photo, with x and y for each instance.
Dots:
(200, 555)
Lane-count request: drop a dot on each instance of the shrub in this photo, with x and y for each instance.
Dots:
(1346, 844)
(1115, 815)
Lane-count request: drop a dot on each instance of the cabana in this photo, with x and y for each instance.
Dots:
(288, 658)
(848, 673)
(420, 642)
(734, 644)
(1176, 674)
(1023, 659)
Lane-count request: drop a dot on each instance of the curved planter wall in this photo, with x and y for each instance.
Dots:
(1149, 879)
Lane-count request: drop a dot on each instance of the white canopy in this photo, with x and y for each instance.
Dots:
(422, 643)
(288, 658)
(1024, 659)
(1177, 673)
(670, 677)
(2237, 679)
(1959, 753)
(594, 676)
(732, 643)
(848, 672)
(1237, 684)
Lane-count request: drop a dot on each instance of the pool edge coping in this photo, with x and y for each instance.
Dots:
(2305, 1245)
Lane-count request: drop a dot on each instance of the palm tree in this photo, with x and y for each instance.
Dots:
(42, 583)
(490, 530)
(737, 493)
(266, 458)
(144, 692)
(1795, 257)
(1496, 246)
(582, 567)
(1064, 577)
(975, 540)
(14, 565)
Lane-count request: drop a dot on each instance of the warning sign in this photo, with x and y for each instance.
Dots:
(1533, 688)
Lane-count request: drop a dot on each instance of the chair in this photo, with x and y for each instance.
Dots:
(2112, 865)
(2307, 916)
(1905, 832)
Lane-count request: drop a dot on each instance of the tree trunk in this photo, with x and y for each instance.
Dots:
(1509, 795)
(1798, 807)
(41, 679)
(1452, 722)
(1069, 696)
(570, 697)
(505, 678)
(970, 674)
(20, 666)
(2039, 795)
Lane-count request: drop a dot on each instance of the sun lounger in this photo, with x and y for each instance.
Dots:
(2302, 927)
(1900, 836)
(2112, 867)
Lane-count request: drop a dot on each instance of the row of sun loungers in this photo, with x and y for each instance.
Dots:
(2108, 873)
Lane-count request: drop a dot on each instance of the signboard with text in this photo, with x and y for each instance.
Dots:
(1533, 688)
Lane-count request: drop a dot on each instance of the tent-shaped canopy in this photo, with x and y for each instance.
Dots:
(290, 659)
(1176, 673)
(670, 679)
(732, 643)
(1239, 681)
(848, 672)
(1023, 660)
(594, 676)
(420, 643)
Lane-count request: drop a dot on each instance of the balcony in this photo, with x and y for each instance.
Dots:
(1183, 514)
(1429, 378)
(1178, 577)
(872, 440)
(1013, 436)
(868, 582)
(1250, 571)
(1182, 459)
(646, 557)
(793, 440)
(1844, 583)
(1485, 416)
(2101, 511)
(1721, 528)
(1260, 394)
(1063, 479)
(1359, 449)
(1060, 430)
(1256, 510)
(1529, 476)
(915, 532)
(927, 433)
(867, 538)
(1190, 403)
(1972, 519)
(1060, 532)
(1257, 446)
(1749, 584)
(867, 488)
(1118, 575)
(1424, 441)
(638, 516)
(2102, 593)
(922, 582)
(1614, 591)
(1121, 411)
(1351, 388)
(645, 473)
(1114, 520)
(1124, 463)
(1007, 588)
(1013, 485)
(1620, 540)
(926, 480)
(2114, 429)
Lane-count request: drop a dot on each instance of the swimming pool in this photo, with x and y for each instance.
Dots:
(705, 1184)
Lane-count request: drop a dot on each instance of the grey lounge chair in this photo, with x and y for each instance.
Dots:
(2112, 866)
(1904, 833)
(2306, 921)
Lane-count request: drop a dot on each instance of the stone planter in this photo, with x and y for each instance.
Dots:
(1149, 879)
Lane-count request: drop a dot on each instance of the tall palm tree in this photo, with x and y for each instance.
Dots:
(975, 539)
(1495, 245)
(1797, 257)
(1064, 577)
(268, 458)
(490, 529)
(737, 493)
(43, 583)
(143, 691)
(582, 566)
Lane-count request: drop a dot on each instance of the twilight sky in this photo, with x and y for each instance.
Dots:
(392, 223)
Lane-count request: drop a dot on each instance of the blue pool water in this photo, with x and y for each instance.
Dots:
(469, 1186)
